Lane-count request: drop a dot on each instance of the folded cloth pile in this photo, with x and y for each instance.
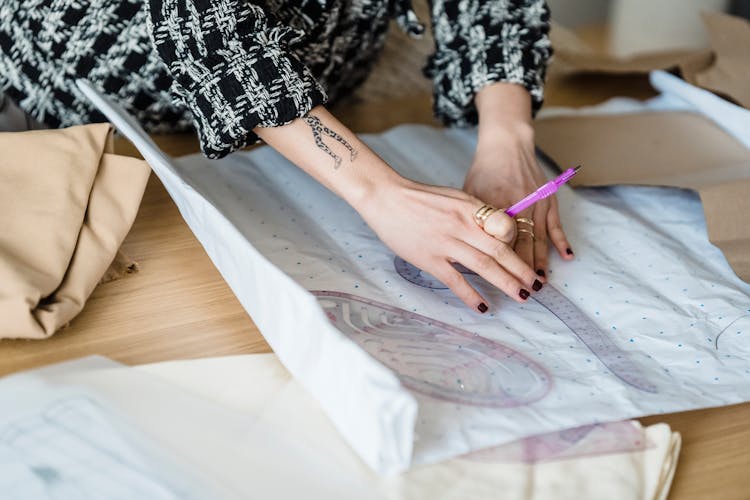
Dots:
(66, 204)
(618, 460)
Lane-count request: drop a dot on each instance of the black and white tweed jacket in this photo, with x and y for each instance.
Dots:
(233, 65)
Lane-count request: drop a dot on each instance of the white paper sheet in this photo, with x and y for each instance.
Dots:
(65, 444)
(644, 273)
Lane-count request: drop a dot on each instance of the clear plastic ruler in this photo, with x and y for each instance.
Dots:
(617, 360)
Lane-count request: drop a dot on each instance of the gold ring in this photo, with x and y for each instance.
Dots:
(524, 220)
(481, 215)
(527, 231)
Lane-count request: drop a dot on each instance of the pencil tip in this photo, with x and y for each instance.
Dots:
(577, 168)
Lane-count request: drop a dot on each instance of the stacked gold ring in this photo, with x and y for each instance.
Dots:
(481, 215)
(528, 222)
(524, 220)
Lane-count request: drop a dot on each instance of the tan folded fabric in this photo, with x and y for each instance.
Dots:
(66, 204)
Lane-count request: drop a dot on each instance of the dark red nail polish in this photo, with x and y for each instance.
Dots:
(524, 294)
(482, 308)
(540, 272)
(569, 251)
(537, 285)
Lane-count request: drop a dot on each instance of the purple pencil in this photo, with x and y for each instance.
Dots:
(543, 192)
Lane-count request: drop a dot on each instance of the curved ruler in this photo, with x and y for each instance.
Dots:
(585, 441)
(618, 361)
(437, 359)
(418, 277)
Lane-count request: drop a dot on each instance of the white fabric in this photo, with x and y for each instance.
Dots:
(644, 273)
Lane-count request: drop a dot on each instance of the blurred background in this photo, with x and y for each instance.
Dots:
(644, 25)
(620, 28)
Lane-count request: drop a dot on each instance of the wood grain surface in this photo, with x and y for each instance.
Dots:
(178, 307)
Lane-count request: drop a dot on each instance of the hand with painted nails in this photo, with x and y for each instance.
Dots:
(505, 169)
(433, 227)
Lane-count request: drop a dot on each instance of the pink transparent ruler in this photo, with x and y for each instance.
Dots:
(618, 361)
(437, 359)
(585, 441)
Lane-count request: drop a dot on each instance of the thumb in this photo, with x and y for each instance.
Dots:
(501, 226)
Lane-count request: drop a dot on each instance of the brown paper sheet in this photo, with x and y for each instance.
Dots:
(662, 149)
(66, 204)
(726, 70)
(727, 207)
(574, 55)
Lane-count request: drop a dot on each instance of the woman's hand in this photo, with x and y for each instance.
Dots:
(433, 227)
(505, 170)
(429, 226)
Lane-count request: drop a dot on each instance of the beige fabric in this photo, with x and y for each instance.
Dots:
(259, 386)
(66, 204)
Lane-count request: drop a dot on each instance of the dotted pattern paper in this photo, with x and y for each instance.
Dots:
(645, 275)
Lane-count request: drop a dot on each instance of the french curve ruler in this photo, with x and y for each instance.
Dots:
(617, 360)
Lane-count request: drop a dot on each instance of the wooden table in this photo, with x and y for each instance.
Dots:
(178, 306)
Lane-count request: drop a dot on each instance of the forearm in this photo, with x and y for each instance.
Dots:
(505, 140)
(332, 154)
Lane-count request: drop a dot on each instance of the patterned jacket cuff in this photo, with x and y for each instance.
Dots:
(264, 87)
(455, 87)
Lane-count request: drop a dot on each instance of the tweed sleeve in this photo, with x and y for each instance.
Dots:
(231, 67)
(479, 42)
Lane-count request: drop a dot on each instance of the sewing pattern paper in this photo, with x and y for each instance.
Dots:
(406, 372)
(65, 445)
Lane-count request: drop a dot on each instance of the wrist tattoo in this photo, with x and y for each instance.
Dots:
(318, 130)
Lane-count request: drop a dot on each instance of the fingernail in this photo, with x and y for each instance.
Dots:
(537, 285)
(569, 251)
(540, 272)
(524, 294)
(482, 308)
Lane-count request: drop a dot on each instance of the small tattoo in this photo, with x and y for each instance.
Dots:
(318, 129)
